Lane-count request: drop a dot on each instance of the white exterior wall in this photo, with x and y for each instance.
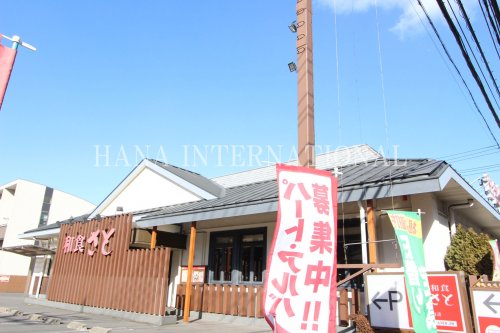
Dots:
(148, 190)
(22, 213)
(435, 232)
(64, 206)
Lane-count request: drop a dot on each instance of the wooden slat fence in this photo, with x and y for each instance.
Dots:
(129, 280)
(228, 299)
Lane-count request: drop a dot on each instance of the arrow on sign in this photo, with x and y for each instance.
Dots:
(391, 299)
(489, 303)
(375, 300)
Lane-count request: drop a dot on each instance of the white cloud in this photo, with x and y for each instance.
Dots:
(411, 14)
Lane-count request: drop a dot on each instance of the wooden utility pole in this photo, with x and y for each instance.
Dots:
(189, 284)
(305, 84)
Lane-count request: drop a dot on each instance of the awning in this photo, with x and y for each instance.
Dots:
(29, 250)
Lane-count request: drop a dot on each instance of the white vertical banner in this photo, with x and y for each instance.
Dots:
(301, 285)
(496, 260)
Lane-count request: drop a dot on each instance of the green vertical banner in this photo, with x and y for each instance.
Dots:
(408, 228)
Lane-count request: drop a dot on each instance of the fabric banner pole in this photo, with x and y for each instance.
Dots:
(408, 228)
(7, 58)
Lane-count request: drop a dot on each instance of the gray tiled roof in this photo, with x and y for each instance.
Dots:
(353, 176)
(56, 225)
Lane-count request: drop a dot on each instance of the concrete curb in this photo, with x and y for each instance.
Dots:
(36, 316)
(132, 316)
(52, 321)
(230, 319)
(76, 325)
(98, 329)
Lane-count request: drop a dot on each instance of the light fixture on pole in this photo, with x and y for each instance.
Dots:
(292, 66)
(293, 27)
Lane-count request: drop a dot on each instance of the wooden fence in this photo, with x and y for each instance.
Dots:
(128, 280)
(235, 300)
(246, 300)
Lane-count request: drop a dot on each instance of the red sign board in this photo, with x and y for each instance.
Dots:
(447, 302)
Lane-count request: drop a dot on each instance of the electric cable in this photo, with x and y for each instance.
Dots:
(382, 83)
(491, 21)
(474, 154)
(473, 71)
(337, 68)
(458, 71)
(496, 11)
(463, 38)
(483, 121)
(478, 45)
(489, 28)
(468, 151)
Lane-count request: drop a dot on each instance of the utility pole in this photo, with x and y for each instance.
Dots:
(305, 93)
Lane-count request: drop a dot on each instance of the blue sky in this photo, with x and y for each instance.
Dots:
(174, 75)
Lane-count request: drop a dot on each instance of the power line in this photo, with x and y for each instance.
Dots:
(472, 156)
(496, 11)
(468, 151)
(463, 37)
(482, 167)
(478, 45)
(490, 20)
(470, 173)
(489, 28)
(458, 71)
(473, 71)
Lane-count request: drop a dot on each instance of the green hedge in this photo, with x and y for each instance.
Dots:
(469, 252)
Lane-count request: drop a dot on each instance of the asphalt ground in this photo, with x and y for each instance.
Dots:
(16, 315)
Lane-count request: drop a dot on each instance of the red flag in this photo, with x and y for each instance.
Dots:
(7, 57)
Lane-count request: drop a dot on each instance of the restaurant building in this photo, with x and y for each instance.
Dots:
(143, 251)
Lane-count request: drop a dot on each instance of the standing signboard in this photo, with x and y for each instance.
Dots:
(387, 298)
(300, 286)
(486, 309)
(448, 298)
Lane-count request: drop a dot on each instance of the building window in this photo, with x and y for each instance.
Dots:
(237, 256)
(47, 200)
(223, 258)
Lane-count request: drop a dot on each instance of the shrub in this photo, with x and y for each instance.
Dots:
(469, 252)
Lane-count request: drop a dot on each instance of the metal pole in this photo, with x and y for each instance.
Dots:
(16, 40)
(305, 94)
